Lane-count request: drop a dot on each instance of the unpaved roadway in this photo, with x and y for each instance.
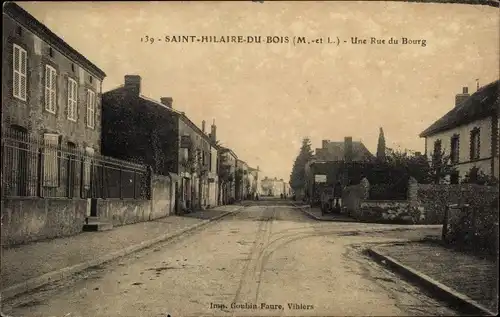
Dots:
(269, 259)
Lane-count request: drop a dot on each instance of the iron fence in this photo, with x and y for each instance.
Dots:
(33, 167)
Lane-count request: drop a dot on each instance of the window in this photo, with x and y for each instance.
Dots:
(51, 160)
(19, 31)
(51, 52)
(19, 62)
(72, 99)
(455, 149)
(90, 108)
(90, 79)
(50, 89)
(72, 67)
(475, 144)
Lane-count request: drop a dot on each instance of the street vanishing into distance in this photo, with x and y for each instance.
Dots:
(266, 259)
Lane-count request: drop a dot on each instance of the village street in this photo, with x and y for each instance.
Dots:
(268, 252)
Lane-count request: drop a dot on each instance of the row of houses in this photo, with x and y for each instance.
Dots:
(275, 187)
(63, 137)
(468, 134)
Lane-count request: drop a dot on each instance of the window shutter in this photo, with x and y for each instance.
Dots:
(23, 75)
(15, 64)
(47, 85)
(53, 90)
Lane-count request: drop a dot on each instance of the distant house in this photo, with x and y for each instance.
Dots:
(468, 132)
(149, 132)
(347, 151)
(329, 164)
(273, 187)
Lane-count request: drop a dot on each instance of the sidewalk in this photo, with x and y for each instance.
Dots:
(461, 279)
(315, 213)
(26, 267)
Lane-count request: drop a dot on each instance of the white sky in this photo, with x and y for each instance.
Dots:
(266, 97)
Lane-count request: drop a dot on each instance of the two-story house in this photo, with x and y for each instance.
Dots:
(51, 97)
(227, 171)
(242, 183)
(153, 133)
(468, 133)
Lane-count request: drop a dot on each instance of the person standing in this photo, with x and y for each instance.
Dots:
(337, 195)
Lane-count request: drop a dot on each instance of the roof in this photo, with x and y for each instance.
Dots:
(36, 27)
(225, 150)
(335, 152)
(178, 113)
(481, 104)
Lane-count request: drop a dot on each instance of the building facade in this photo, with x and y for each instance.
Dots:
(468, 133)
(227, 175)
(254, 180)
(273, 187)
(51, 96)
(242, 185)
(153, 133)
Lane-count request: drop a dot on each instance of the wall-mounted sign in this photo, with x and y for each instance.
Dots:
(320, 178)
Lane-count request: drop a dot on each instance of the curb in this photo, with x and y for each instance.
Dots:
(464, 303)
(311, 215)
(63, 273)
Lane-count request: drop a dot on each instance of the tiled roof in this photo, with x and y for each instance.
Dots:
(335, 152)
(481, 104)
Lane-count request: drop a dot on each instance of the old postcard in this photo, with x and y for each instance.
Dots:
(250, 158)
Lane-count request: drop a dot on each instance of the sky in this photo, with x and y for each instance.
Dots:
(265, 98)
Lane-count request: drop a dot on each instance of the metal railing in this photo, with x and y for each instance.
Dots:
(33, 168)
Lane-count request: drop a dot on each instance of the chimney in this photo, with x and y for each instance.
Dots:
(167, 101)
(324, 144)
(348, 149)
(460, 98)
(133, 84)
(213, 133)
(203, 126)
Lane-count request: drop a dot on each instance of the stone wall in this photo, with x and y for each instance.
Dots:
(472, 228)
(127, 211)
(353, 195)
(26, 220)
(434, 198)
(162, 197)
(391, 211)
(124, 211)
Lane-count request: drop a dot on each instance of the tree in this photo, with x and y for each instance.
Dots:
(440, 167)
(381, 146)
(297, 177)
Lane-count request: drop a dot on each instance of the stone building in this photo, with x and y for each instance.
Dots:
(153, 133)
(51, 96)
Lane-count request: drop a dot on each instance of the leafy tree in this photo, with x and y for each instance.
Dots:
(297, 177)
(440, 167)
(415, 165)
